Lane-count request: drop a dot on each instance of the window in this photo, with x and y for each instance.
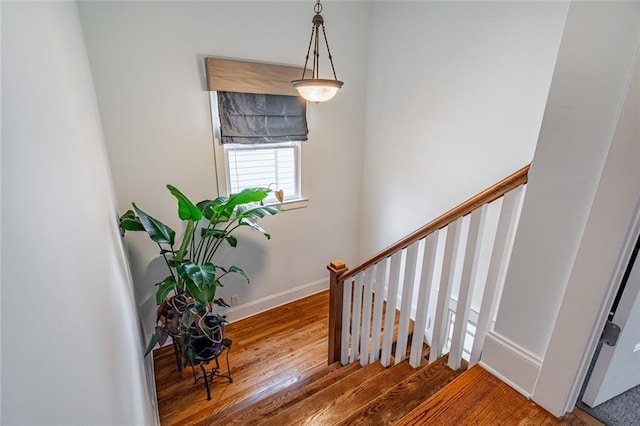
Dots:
(275, 166)
(259, 124)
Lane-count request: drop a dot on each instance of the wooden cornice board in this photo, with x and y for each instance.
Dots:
(251, 77)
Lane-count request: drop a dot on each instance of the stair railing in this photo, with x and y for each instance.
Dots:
(364, 300)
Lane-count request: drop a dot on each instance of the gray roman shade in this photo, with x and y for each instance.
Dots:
(250, 118)
(256, 101)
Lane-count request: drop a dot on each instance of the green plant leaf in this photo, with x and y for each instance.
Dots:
(128, 224)
(202, 294)
(158, 231)
(152, 343)
(173, 263)
(128, 214)
(235, 270)
(256, 212)
(233, 241)
(164, 288)
(248, 222)
(246, 196)
(207, 207)
(186, 209)
(200, 280)
(199, 274)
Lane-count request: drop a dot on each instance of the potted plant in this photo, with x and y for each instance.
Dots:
(186, 298)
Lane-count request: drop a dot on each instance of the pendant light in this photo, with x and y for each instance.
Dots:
(316, 89)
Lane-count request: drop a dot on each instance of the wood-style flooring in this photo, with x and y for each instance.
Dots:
(479, 398)
(284, 351)
(271, 348)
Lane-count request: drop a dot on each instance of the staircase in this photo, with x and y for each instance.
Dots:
(349, 395)
(381, 314)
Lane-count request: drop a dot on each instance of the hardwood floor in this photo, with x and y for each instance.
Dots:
(268, 349)
(278, 359)
(479, 398)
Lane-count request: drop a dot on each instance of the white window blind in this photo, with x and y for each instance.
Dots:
(275, 166)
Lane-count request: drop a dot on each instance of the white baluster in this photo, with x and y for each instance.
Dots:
(390, 311)
(446, 286)
(376, 328)
(405, 307)
(355, 317)
(469, 272)
(366, 315)
(346, 320)
(426, 284)
(500, 256)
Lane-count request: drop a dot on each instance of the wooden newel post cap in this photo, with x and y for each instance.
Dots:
(337, 266)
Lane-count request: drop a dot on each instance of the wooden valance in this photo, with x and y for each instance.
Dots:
(251, 77)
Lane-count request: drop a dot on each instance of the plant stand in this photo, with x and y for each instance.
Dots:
(215, 371)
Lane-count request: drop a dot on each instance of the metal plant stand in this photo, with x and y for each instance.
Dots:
(208, 376)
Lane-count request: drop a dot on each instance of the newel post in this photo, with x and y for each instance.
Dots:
(335, 268)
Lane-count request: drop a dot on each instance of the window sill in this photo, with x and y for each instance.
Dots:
(291, 204)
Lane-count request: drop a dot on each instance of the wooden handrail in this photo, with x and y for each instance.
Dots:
(488, 195)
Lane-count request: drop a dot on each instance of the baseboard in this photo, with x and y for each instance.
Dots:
(510, 363)
(246, 310)
(151, 386)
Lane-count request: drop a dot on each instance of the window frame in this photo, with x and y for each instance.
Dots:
(220, 154)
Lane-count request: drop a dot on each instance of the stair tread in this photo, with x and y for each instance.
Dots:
(404, 396)
(442, 402)
(333, 404)
(280, 397)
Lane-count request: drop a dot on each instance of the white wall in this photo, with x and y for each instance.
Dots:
(552, 248)
(147, 62)
(592, 282)
(455, 98)
(71, 347)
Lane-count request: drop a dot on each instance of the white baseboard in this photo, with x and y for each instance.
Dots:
(510, 363)
(246, 310)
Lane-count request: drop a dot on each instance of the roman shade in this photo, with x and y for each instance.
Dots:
(256, 102)
(249, 118)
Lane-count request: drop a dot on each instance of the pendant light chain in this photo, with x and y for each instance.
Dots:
(316, 53)
(306, 61)
(329, 52)
(317, 20)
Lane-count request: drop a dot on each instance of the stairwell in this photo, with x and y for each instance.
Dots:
(280, 370)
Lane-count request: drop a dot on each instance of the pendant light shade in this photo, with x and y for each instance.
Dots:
(316, 89)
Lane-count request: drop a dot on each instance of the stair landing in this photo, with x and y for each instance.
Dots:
(278, 362)
(479, 398)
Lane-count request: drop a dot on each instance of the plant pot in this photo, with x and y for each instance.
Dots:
(206, 342)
